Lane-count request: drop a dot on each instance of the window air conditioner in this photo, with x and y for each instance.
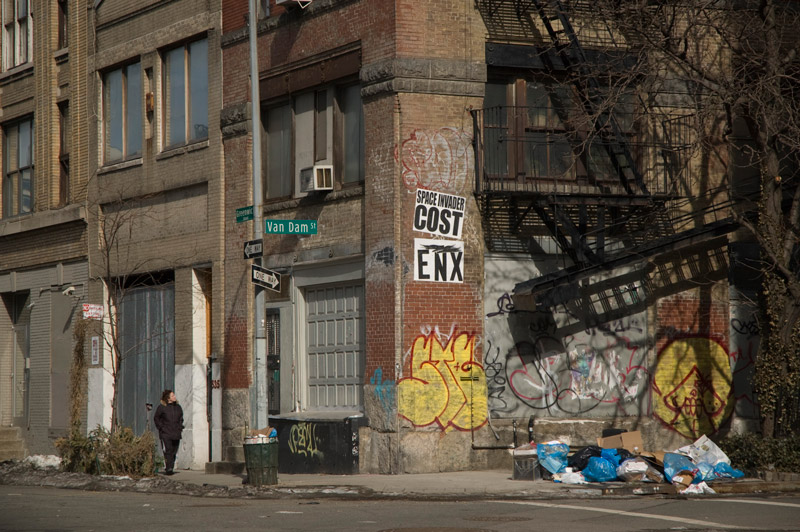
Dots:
(317, 177)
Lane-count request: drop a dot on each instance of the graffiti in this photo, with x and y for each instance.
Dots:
(303, 440)
(749, 329)
(692, 386)
(384, 390)
(745, 341)
(385, 256)
(445, 386)
(436, 160)
(495, 380)
(580, 380)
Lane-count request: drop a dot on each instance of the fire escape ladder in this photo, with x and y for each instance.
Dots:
(570, 238)
(574, 58)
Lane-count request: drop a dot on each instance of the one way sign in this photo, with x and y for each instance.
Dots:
(253, 248)
(266, 278)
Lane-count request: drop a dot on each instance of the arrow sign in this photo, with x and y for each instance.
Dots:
(253, 248)
(266, 278)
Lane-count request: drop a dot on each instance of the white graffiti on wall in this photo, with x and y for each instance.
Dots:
(598, 371)
(437, 159)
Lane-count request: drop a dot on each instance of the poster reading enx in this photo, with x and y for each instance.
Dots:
(440, 261)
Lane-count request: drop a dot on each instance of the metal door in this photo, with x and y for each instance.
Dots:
(335, 346)
(20, 359)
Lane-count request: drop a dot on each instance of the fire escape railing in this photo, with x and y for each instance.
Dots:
(517, 151)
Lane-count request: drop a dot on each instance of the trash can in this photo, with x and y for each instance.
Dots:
(261, 461)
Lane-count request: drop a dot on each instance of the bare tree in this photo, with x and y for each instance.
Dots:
(127, 225)
(731, 66)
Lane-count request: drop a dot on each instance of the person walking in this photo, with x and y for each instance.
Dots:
(169, 422)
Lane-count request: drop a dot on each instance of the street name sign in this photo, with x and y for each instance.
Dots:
(266, 278)
(253, 248)
(244, 214)
(290, 227)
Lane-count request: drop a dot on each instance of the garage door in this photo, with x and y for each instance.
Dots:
(335, 325)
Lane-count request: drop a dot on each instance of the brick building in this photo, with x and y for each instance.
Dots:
(43, 220)
(154, 203)
(465, 274)
(457, 243)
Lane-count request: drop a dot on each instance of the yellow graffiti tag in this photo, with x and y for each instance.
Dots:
(303, 440)
(692, 384)
(446, 385)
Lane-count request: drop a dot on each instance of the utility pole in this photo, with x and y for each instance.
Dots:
(259, 398)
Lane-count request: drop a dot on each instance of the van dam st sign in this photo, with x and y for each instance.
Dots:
(290, 227)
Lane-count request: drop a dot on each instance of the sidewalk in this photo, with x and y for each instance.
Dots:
(494, 484)
(462, 485)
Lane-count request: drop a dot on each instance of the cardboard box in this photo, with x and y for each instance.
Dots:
(682, 480)
(630, 441)
(656, 456)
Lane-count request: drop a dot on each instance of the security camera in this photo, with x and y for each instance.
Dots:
(68, 291)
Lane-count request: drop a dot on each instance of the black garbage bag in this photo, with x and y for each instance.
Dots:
(624, 454)
(580, 459)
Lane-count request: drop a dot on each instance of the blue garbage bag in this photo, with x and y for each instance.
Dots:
(674, 463)
(553, 456)
(724, 470)
(612, 455)
(600, 470)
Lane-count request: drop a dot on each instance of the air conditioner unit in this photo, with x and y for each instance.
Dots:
(317, 177)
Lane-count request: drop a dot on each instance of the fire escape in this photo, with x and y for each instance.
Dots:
(607, 184)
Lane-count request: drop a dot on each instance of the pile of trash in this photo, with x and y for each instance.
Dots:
(619, 458)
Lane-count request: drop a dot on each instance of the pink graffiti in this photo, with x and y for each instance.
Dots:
(437, 160)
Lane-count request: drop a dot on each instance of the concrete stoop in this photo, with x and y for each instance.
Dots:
(232, 465)
(12, 445)
(224, 468)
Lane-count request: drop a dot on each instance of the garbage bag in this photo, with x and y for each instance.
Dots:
(580, 459)
(724, 470)
(705, 450)
(638, 469)
(612, 455)
(553, 456)
(573, 477)
(600, 470)
(674, 463)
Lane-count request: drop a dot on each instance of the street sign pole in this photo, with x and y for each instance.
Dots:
(259, 336)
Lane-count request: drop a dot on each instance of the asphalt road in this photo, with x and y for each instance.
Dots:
(53, 509)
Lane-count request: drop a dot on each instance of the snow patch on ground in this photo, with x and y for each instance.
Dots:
(42, 461)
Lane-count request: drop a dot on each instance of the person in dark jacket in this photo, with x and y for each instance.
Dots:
(169, 422)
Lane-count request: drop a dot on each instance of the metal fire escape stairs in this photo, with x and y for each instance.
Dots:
(649, 226)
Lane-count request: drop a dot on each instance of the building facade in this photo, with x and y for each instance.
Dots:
(489, 261)
(154, 202)
(460, 249)
(43, 222)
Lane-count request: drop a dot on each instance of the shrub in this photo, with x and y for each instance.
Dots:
(750, 453)
(120, 453)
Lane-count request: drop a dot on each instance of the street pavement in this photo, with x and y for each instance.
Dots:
(447, 486)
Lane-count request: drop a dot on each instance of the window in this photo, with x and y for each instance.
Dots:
(122, 113)
(63, 24)
(186, 93)
(18, 168)
(537, 130)
(278, 139)
(320, 127)
(63, 153)
(16, 33)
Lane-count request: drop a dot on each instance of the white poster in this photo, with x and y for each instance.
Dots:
(439, 261)
(439, 213)
(95, 350)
